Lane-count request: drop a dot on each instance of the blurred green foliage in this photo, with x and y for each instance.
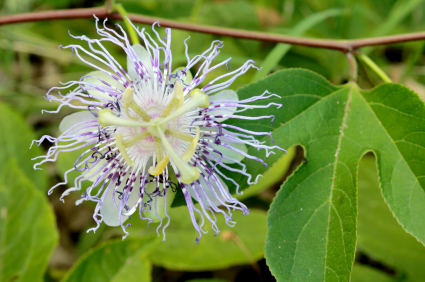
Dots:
(31, 63)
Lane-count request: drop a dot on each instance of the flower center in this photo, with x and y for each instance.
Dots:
(158, 128)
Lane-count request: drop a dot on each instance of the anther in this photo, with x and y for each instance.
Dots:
(159, 167)
(187, 155)
(176, 101)
(127, 99)
(199, 99)
(106, 118)
(200, 95)
(188, 173)
(179, 94)
(129, 102)
(120, 145)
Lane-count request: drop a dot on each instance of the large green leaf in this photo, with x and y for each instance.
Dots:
(380, 235)
(180, 251)
(312, 221)
(114, 261)
(27, 228)
(15, 139)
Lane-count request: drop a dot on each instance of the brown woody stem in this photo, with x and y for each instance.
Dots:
(103, 12)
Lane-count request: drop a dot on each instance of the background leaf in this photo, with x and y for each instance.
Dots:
(15, 139)
(65, 161)
(27, 227)
(380, 235)
(207, 280)
(180, 251)
(114, 261)
(279, 51)
(362, 273)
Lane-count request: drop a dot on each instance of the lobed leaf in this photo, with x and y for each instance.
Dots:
(312, 221)
(379, 234)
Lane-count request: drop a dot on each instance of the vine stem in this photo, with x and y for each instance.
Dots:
(374, 67)
(353, 66)
(123, 13)
(104, 12)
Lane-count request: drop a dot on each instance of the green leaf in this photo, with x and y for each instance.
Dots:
(398, 13)
(15, 140)
(237, 14)
(88, 240)
(114, 261)
(312, 220)
(279, 51)
(180, 251)
(380, 235)
(27, 227)
(362, 273)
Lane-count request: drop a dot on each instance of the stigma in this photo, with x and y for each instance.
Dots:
(157, 128)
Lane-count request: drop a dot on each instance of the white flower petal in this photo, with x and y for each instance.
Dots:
(230, 153)
(94, 169)
(157, 211)
(226, 151)
(144, 57)
(75, 118)
(102, 76)
(110, 213)
(207, 189)
(224, 95)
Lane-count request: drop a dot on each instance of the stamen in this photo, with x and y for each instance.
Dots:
(123, 151)
(129, 102)
(199, 99)
(187, 155)
(169, 107)
(177, 101)
(127, 99)
(158, 149)
(106, 118)
(136, 139)
(178, 134)
(188, 174)
(179, 94)
(159, 167)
